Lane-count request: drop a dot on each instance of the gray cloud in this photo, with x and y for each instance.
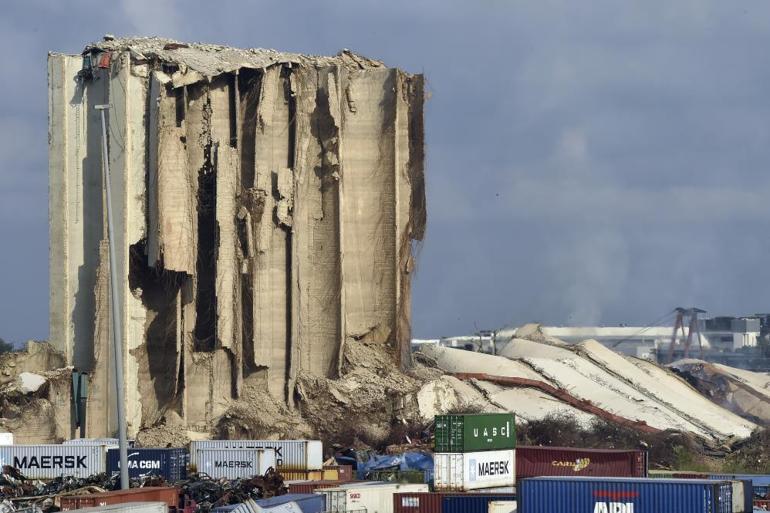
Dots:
(587, 161)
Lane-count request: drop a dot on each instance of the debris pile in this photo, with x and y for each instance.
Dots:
(743, 392)
(208, 493)
(538, 377)
(17, 492)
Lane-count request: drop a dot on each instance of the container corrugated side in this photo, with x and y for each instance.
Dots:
(623, 495)
(502, 507)
(169, 463)
(344, 472)
(49, 461)
(474, 432)
(234, 463)
(432, 502)
(164, 494)
(289, 454)
(129, 507)
(312, 486)
(95, 441)
(373, 498)
(473, 470)
(567, 461)
(471, 503)
(302, 475)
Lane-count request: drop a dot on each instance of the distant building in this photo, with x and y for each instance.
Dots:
(735, 341)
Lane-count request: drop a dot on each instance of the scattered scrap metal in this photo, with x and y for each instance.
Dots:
(19, 494)
(210, 493)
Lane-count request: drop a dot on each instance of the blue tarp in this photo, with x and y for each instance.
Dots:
(412, 460)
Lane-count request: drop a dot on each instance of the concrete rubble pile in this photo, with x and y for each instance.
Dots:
(744, 392)
(540, 376)
(35, 394)
(266, 207)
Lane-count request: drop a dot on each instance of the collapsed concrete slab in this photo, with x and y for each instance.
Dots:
(265, 203)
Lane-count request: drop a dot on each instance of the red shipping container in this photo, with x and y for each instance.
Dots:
(169, 495)
(429, 502)
(568, 461)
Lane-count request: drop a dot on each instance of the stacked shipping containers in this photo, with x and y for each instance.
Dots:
(474, 451)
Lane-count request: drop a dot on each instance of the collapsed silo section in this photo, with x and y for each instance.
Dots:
(266, 209)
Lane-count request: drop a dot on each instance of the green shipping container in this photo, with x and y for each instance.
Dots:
(475, 432)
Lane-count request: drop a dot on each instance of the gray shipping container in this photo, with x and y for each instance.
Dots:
(51, 461)
(233, 463)
(289, 454)
(128, 507)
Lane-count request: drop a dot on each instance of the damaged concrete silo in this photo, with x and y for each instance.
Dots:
(266, 207)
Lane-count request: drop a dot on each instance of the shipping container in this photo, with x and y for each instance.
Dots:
(289, 454)
(623, 495)
(475, 432)
(760, 482)
(6, 438)
(338, 472)
(96, 441)
(473, 470)
(567, 461)
(432, 502)
(233, 463)
(312, 486)
(129, 507)
(302, 475)
(372, 498)
(502, 507)
(165, 494)
(48, 461)
(470, 503)
(171, 464)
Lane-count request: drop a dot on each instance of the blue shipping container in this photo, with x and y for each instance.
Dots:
(472, 503)
(170, 464)
(619, 495)
(760, 482)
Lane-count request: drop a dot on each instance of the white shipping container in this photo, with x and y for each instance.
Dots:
(6, 438)
(234, 463)
(502, 507)
(474, 470)
(372, 498)
(289, 454)
(51, 461)
(128, 507)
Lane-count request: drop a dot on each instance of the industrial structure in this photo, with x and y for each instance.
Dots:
(265, 208)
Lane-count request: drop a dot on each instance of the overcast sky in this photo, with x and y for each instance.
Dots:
(587, 161)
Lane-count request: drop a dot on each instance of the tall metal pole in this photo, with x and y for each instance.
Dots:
(117, 329)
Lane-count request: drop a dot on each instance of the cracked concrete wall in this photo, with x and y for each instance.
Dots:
(266, 209)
